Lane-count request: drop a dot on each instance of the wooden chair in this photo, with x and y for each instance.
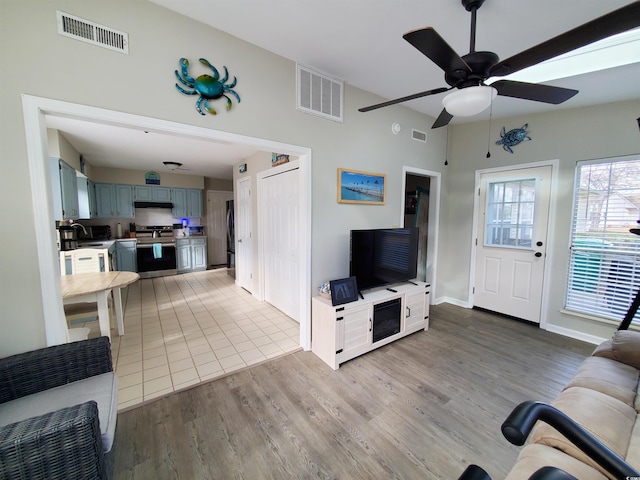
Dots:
(83, 260)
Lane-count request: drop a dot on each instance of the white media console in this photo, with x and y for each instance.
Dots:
(342, 332)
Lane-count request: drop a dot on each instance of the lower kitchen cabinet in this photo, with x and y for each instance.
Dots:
(124, 258)
(191, 254)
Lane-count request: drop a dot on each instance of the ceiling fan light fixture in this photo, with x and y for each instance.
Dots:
(172, 165)
(466, 102)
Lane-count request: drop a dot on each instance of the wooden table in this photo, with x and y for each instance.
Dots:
(95, 287)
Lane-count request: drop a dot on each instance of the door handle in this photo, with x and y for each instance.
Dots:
(239, 240)
(538, 254)
(539, 243)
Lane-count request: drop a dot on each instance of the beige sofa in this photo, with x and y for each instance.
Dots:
(598, 409)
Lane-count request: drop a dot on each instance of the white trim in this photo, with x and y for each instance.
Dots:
(554, 164)
(434, 218)
(567, 332)
(35, 109)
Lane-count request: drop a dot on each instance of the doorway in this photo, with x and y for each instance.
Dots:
(512, 222)
(35, 111)
(217, 227)
(421, 208)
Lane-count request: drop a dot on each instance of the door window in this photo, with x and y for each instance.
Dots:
(510, 212)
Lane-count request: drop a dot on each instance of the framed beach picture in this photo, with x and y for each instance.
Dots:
(361, 187)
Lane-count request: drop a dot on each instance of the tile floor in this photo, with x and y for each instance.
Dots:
(185, 329)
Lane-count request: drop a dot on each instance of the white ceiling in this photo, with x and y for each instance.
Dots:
(360, 41)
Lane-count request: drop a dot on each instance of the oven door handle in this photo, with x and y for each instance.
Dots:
(150, 245)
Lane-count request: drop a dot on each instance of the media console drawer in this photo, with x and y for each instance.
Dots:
(342, 332)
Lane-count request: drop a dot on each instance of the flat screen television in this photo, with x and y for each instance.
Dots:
(383, 256)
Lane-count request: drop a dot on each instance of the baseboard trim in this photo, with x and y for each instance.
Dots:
(567, 332)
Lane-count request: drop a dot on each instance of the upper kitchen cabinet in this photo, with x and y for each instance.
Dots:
(114, 200)
(148, 193)
(65, 190)
(187, 202)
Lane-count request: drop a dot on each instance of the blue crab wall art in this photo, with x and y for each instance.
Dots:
(207, 87)
(513, 137)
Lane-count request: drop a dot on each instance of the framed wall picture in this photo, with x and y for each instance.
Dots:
(344, 290)
(355, 186)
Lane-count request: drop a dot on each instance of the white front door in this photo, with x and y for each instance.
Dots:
(217, 226)
(243, 234)
(279, 211)
(511, 243)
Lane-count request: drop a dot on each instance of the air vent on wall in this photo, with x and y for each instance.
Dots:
(319, 94)
(90, 32)
(419, 136)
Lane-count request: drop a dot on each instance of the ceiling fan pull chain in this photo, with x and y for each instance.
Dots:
(489, 133)
(446, 149)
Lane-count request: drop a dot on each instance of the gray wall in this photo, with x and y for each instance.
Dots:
(568, 136)
(35, 60)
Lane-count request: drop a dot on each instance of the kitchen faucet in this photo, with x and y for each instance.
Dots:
(71, 224)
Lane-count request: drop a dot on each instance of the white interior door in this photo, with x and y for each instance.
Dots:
(243, 234)
(511, 243)
(279, 211)
(217, 226)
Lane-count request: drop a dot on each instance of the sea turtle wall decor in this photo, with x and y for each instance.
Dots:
(513, 137)
(207, 87)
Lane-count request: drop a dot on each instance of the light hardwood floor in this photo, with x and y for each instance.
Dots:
(423, 407)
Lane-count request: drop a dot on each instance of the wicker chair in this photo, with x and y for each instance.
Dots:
(64, 444)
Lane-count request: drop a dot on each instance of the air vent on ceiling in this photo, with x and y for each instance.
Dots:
(319, 94)
(90, 32)
(419, 136)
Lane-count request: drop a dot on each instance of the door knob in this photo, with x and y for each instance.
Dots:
(539, 243)
(239, 240)
(538, 254)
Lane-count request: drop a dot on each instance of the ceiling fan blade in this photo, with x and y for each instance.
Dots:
(443, 119)
(621, 20)
(404, 99)
(431, 44)
(533, 91)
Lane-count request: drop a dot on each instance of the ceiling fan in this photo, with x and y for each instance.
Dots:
(174, 166)
(467, 74)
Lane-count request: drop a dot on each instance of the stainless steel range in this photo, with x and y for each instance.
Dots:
(156, 251)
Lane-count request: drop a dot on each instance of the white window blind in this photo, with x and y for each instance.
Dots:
(604, 263)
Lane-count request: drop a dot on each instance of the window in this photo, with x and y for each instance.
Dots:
(510, 207)
(604, 263)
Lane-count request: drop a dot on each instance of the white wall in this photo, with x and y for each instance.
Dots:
(567, 135)
(44, 64)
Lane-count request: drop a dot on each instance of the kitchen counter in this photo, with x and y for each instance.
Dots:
(102, 243)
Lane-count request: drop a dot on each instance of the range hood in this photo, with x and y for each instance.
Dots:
(153, 204)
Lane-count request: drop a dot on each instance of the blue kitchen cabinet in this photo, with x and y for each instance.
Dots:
(93, 205)
(125, 256)
(124, 201)
(114, 200)
(191, 254)
(194, 202)
(187, 202)
(179, 200)
(150, 193)
(65, 190)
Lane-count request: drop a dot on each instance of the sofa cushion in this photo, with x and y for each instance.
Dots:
(533, 457)
(607, 376)
(623, 347)
(103, 389)
(605, 417)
